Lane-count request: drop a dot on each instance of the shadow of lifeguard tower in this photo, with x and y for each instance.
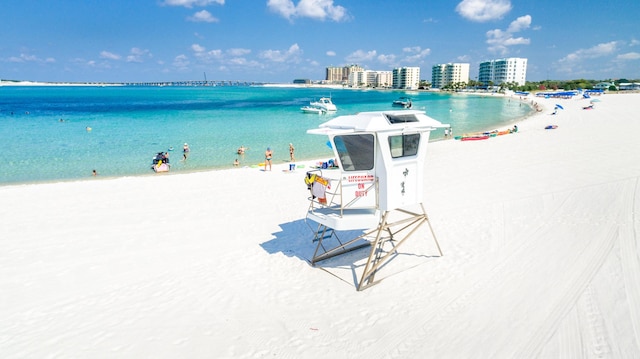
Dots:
(377, 188)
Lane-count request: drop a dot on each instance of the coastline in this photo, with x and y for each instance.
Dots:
(77, 159)
(537, 229)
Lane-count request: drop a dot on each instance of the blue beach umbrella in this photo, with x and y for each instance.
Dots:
(560, 107)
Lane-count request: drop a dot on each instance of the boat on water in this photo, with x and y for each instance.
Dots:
(402, 102)
(313, 109)
(324, 103)
(161, 162)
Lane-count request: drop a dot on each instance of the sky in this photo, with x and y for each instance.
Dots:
(282, 40)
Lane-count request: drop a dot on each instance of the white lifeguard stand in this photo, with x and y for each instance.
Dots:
(380, 158)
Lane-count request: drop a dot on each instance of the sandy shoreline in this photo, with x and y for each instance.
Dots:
(538, 230)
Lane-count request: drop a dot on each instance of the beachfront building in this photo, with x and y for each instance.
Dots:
(368, 78)
(604, 85)
(407, 78)
(629, 86)
(496, 72)
(446, 74)
(340, 75)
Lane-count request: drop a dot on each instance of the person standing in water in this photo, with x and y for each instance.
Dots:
(291, 155)
(268, 154)
(185, 151)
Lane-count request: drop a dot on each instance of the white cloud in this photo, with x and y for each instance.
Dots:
(483, 10)
(500, 40)
(181, 62)
(629, 56)
(230, 56)
(291, 55)
(202, 16)
(215, 54)
(360, 56)
(415, 54)
(519, 24)
(572, 63)
(331, 53)
(286, 8)
(192, 3)
(593, 52)
(411, 49)
(28, 58)
(109, 55)
(239, 52)
(314, 9)
(387, 59)
(197, 48)
(138, 55)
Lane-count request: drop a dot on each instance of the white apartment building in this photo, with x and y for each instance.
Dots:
(406, 78)
(341, 74)
(513, 69)
(370, 79)
(445, 74)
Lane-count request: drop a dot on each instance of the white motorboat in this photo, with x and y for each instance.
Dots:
(312, 109)
(403, 102)
(324, 103)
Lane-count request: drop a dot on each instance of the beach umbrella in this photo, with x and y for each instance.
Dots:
(560, 107)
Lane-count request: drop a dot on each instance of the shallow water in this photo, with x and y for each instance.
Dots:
(62, 133)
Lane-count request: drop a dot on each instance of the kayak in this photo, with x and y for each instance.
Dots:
(474, 138)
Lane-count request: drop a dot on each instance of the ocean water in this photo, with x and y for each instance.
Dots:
(45, 137)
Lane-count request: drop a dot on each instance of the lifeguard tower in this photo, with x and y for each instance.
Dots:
(377, 188)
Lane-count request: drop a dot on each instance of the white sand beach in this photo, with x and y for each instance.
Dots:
(538, 230)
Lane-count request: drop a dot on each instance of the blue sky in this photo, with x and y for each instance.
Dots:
(281, 40)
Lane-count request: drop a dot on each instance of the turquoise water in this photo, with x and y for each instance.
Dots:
(44, 136)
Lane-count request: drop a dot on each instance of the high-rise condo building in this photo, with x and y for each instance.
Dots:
(513, 69)
(341, 74)
(445, 74)
(406, 78)
(369, 78)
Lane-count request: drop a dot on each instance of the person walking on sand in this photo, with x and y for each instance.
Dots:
(268, 154)
(185, 151)
(291, 150)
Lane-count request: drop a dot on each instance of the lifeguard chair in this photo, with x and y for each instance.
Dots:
(380, 159)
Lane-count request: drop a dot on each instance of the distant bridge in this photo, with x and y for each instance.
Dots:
(201, 83)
